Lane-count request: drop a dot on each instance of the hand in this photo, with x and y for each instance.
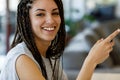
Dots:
(101, 49)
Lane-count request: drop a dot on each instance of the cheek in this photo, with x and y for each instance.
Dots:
(35, 22)
(59, 22)
(35, 25)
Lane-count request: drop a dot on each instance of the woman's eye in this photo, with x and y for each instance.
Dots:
(41, 14)
(55, 13)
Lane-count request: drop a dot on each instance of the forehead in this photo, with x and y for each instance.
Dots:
(44, 4)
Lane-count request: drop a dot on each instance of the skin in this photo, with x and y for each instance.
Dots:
(45, 22)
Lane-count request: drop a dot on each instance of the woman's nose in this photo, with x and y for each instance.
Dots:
(49, 19)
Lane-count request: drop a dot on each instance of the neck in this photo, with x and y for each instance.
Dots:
(42, 47)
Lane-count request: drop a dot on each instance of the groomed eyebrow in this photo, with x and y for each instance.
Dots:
(45, 10)
(55, 9)
(40, 10)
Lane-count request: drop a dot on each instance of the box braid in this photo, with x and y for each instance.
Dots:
(24, 34)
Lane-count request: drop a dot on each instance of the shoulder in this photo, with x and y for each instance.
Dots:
(18, 50)
(21, 47)
(25, 64)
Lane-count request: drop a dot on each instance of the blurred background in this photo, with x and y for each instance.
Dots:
(86, 22)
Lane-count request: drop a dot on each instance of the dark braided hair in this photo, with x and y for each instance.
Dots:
(24, 34)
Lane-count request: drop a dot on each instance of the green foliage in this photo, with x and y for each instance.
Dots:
(74, 27)
(89, 18)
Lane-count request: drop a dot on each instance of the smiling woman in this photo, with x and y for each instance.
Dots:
(39, 43)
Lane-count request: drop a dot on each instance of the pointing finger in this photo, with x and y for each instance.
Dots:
(111, 36)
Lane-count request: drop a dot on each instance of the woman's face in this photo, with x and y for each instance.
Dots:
(45, 19)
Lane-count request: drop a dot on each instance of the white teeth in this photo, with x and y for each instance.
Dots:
(49, 29)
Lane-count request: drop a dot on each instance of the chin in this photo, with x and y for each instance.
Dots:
(50, 38)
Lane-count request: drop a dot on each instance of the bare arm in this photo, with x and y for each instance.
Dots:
(98, 53)
(27, 69)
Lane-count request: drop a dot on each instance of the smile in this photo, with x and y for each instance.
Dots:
(49, 28)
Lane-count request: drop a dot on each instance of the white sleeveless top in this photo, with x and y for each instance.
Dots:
(9, 71)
